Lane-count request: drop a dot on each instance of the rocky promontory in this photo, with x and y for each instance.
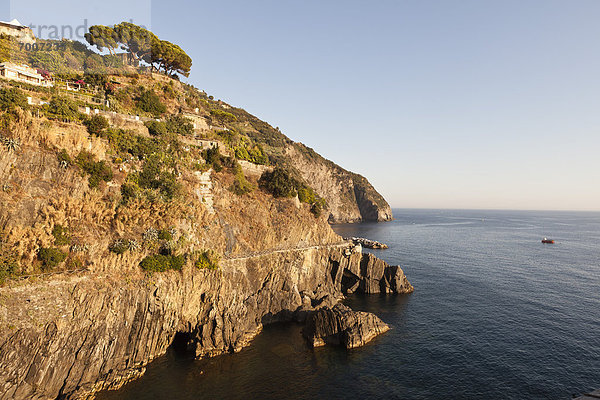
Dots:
(342, 326)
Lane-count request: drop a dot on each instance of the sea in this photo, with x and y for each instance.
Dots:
(495, 314)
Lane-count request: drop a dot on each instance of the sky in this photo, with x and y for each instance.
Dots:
(440, 104)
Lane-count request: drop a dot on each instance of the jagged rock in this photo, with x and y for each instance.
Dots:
(340, 325)
(366, 273)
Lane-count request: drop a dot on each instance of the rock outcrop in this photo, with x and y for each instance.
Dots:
(342, 326)
(365, 273)
(73, 335)
(350, 197)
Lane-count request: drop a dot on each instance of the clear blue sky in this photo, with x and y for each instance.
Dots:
(443, 104)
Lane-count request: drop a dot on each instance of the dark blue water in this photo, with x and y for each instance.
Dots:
(495, 315)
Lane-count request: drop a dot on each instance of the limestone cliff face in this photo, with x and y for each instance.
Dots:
(70, 336)
(350, 197)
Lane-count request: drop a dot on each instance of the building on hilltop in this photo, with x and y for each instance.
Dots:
(22, 73)
(14, 28)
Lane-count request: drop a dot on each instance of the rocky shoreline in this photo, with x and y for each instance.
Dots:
(75, 335)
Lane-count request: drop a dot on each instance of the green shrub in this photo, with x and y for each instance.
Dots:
(180, 125)
(279, 183)
(99, 79)
(8, 120)
(124, 141)
(222, 117)
(73, 263)
(318, 206)
(11, 98)
(9, 265)
(129, 191)
(306, 195)
(216, 160)
(160, 263)
(149, 102)
(198, 166)
(64, 158)
(156, 128)
(97, 170)
(157, 174)
(206, 260)
(240, 184)
(51, 257)
(61, 235)
(96, 124)
(142, 147)
(253, 154)
(165, 234)
(63, 109)
(212, 156)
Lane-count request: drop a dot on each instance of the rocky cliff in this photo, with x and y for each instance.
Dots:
(350, 197)
(71, 335)
(117, 239)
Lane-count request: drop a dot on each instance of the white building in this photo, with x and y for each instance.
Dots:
(22, 73)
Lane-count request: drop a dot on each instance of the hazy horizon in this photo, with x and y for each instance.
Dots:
(493, 209)
(461, 105)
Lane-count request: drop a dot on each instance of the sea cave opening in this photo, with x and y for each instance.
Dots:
(181, 342)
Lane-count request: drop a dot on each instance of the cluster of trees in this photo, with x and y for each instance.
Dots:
(173, 124)
(143, 45)
(280, 183)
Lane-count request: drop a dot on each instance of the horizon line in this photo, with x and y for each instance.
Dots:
(495, 209)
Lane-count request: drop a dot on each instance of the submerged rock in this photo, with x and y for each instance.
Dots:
(342, 326)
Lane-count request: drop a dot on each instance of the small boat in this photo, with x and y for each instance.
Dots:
(547, 241)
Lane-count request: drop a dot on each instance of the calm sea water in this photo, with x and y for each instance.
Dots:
(495, 315)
